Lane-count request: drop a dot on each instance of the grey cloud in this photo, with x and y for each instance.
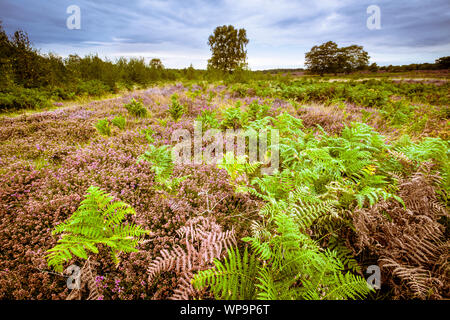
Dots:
(291, 26)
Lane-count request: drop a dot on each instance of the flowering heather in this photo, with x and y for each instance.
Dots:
(34, 199)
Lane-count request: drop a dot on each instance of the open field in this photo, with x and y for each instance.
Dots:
(362, 180)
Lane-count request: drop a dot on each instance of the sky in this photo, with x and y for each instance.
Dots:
(280, 31)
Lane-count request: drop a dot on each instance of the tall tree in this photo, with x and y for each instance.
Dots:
(323, 58)
(353, 58)
(228, 48)
(329, 58)
(443, 63)
(157, 64)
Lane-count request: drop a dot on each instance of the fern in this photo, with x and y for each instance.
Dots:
(234, 118)
(233, 278)
(344, 254)
(176, 110)
(237, 167)
(257, 111)
(204, 241)
(87, 282)
(136, 108)
(208, 119)
(98, 220)
(161, 160)
(120, 122)
(103, 127)
(290, 266)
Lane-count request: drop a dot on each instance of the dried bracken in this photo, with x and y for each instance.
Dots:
(203, 240)
(409, 242)
(87, 283)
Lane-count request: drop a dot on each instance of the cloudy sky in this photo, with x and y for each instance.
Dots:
(280, 31)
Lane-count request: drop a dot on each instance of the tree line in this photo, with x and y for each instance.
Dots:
(29, 78)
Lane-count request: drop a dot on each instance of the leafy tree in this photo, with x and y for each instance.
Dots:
(323, 58)
(228, 48)
(190, 72)
(5, 64)
(373, 67)
(352, 58)
(156, 63)
(443, 63)
(328, 57)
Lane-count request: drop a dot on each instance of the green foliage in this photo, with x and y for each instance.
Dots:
(176, 110)
(428, 149)
(162, 165)
(136, 108)
(103, 127)
(431, 149)
(257, 111)
(237, 166)
(148, 134)
(286, 266)
(120, 122)
(398, 112)
(234, 118)
(331, 59)
(234, 279)
(321, 181)
(16, 98)
(161, 160)
(344, 254)
(367, 93)
(228, 48)
(97, 221)
(93, 88)
(208, 119)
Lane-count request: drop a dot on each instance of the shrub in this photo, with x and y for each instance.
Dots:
(17, 98)
(93, 88)
(234, 118)
(257, 111)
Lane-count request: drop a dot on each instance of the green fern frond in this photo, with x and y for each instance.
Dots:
(232, 279)
(98, 220)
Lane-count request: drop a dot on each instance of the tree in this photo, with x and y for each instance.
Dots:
(6, 69)
(228, 48)
(156, 63)
(352, 58)
(323, 58)
(373, 67)
(443, 63)
(328, 57)
(190, 72)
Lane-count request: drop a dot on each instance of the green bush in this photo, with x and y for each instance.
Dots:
(93, 88)
(234, 118)
(136, 108)
(120, 122)
(103, 127)
(17, 98)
